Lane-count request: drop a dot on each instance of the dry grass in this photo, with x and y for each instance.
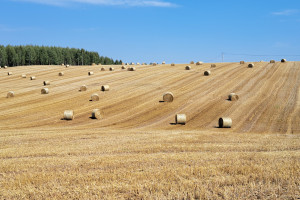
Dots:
(102, 164)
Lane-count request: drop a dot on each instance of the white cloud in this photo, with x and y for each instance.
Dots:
(286, 12)
(140, 3)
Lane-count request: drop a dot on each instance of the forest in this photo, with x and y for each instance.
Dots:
(43, 55)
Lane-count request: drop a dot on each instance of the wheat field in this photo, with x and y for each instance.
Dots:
(136, 151)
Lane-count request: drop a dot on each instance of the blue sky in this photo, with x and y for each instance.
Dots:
(158, 30)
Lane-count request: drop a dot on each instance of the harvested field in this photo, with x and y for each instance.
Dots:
(135, 151)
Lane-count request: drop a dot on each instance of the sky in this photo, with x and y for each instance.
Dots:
(176, 31)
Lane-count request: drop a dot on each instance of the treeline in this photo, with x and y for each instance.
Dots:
(43, 55)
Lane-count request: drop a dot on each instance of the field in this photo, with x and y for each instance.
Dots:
(136, 151)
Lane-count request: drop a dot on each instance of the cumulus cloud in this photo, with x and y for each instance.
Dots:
(286, 12)
(140, 3)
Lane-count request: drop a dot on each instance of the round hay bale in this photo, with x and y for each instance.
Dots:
(138, 64)
(192, 62)
(91, 73)
(225, 122)
(213, 65)
(9, 73)
(95, 97)
(132, 63)
(45, 91)
(242, 62)
(168, 97)
(5, 67)
(188, 67)
(93, 64)
(62, 64)
(123, 67)
(105, 88)
(111, 69)
(131, 69)
(23, 75)
(233, 97)
(272, 61)
(46, 82)
(173, 64)
(164, 62)
(32, 78)
(180, 119)
(154, 64)
(283, 60)
(102, 69)
(68, 115)
(60, 74)
(96, 114)
(143, 63)
(199, 63)
(207, 73)
(83, 88)
(10, 94)
(127, 64)
(251, 65)
(67, 66)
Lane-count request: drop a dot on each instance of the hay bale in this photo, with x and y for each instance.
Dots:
(9, 73)
(168, 97)
(10, 94)
(127, 64)
(5, 67)
(102, 69)
(188, 67)
(213, 65)
(180, 119)
(251, 65)
(207, 73)
(32, 78)
(96, 114)
(91, 73)
(132, 63)
(225, 122)
(131, 69)
(95, 97)
(233, 97)
(154, 64)
(164, 62)
(46, 82)
(83, 88)
(93, 64)
(283, 60)
(24, 76)
(111, 69)
(62, 64)
(67, 66)
(68, 115)
(123, 67)
(105, 88)
(61, 74)
(173, 64)
(199, 63)
(242, 62)
(138, 64)
(192, 62)
(45, 91)
(144, 64)
(272, 61)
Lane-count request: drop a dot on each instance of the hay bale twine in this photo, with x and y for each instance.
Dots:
(46, 82)
(23, 75)
(102, 69)
(123, 67)
(95, 97)
(283, 60)
(83, 88)
(96, 114)
(272, 61)
(233, 97)
(10, 94)
(111, 69)
(91, 73)
(180, 119)
(199, 63)
(32, 78)
(242, 62)
(225, 122)
(60, 74)
(213, 65)
(164, 62)
(251, 65)
(173, 64)
(68, 115)
(207, 73)
(188, 67)
(9, 73)
(192, 62)
(45, 91)
(105, 88)
(168, 97)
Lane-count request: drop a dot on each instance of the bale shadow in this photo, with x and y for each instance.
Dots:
(161, 101)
